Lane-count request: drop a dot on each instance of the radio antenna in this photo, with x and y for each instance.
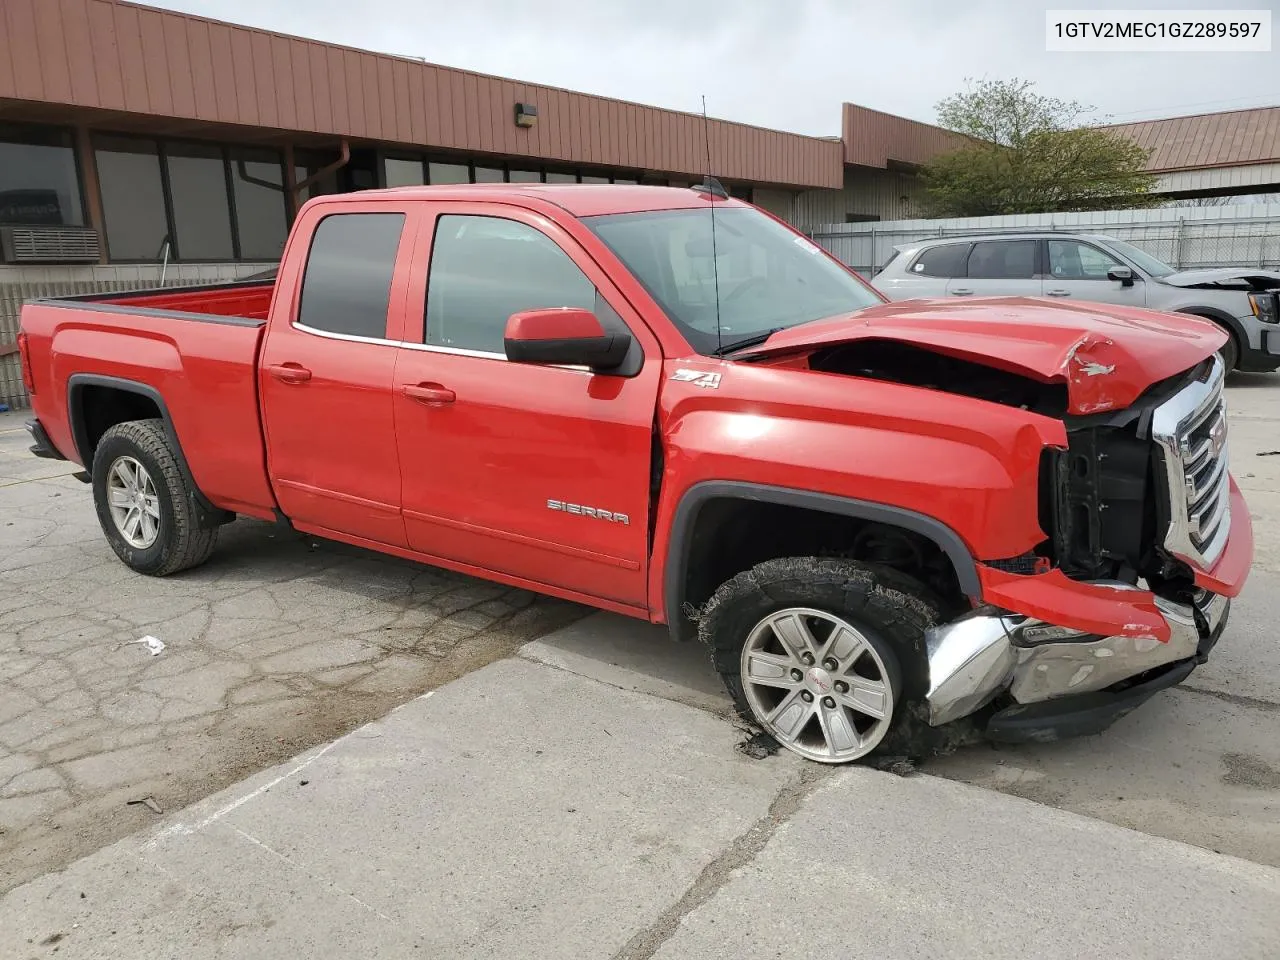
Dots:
(712, 188)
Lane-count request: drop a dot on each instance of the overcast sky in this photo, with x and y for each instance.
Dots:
(786, 64)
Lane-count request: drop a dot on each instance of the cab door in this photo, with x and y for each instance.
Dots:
(540, 472)
(326, 368)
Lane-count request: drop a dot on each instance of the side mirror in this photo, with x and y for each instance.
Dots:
(1121, 274)
(564, 336)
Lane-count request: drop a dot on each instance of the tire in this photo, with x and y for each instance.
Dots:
(745, 622)
(174, 534)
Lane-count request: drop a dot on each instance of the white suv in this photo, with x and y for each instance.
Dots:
(1243, 301)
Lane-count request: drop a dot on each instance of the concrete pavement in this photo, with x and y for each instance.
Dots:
(527, 811)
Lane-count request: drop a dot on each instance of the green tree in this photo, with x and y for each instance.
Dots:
(1027, 154)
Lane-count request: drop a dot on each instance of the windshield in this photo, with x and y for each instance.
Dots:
(769, 278)
(1148, 263)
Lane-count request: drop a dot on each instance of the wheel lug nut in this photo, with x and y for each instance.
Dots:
(829, 703)
(841, 687)
(807, 697)
(830, 663)
(807, 659)
(797, 675)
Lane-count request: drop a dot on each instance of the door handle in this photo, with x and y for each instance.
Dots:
(1057, 293)
(433, 394)
(961, 292)
(289, 372)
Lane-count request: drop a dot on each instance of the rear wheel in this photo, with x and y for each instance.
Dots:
(145, 505)
(827, 656)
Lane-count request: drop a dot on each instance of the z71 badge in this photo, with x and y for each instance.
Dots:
(699, 379)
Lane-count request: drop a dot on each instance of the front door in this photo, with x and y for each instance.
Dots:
(999, 268)
(326, 374)
(1078, 271)
(539, 472)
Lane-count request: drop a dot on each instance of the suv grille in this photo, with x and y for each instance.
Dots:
(1190, 430)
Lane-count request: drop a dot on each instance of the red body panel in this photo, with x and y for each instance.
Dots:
(542, 476)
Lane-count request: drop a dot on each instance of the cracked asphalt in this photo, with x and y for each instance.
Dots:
(280, 642)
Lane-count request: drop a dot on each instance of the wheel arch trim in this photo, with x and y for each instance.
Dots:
(80, 429)
(676, 571)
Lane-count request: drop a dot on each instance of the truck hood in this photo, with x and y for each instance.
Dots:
(1106, 355)
(1225, 278)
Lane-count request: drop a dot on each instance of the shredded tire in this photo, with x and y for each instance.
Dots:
(881, 601)
(186, 537)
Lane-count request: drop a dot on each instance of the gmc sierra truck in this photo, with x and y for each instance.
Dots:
(882, 518)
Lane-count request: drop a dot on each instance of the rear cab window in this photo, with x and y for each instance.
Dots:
(346, 287)
(944, 260)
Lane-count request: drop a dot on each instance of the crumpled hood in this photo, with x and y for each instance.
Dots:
(1242, 277)
(1106, 355)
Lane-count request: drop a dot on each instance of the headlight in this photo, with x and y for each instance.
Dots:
(1266, 306)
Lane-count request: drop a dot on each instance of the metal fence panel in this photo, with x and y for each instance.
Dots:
(1184, 237)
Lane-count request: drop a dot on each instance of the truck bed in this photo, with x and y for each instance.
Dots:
(188, 354)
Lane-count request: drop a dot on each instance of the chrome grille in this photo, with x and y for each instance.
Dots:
(1191, 431)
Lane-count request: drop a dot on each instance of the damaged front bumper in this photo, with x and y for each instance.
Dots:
(1062, 681)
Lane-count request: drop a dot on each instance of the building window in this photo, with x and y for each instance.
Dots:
(594, 179)
(448, 173)
(861, 218)
(558, 177)
(403, 173)
(38, 179)
(201, 213)
(208, 201)
(489, 175)
(308, 164)
(483, 269)
(262, 220)
(133, 202)
(347, 284)
(524, 176)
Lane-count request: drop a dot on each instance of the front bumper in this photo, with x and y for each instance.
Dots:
(988, 653)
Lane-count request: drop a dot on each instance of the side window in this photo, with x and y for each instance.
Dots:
(944, 260)
(484, 269)
(347, 285)
(1073, 260)
(1003, 260)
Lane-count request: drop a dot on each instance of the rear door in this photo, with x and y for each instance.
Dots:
(326, 371)
(999, 268)
(539, 472)
(1078, 270)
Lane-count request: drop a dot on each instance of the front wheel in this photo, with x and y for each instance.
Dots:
(827, 656)
(145, 505)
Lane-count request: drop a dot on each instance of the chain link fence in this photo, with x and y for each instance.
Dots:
(1184, 238)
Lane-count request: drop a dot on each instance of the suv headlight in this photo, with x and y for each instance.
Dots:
(1266, 306)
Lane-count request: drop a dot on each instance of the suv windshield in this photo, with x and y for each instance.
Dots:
(769, 278)
(1149, 264)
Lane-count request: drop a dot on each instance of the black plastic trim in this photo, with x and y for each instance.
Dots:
(152, 312)
(1083, 714)
(42, 447)
(158, 291)
(80, 433)
(691, 503)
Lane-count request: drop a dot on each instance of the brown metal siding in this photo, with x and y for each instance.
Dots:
(113, 55)
(1208, 140)
(872, 138)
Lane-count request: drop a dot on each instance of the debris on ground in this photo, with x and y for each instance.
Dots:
(148, 802)
(758, 746)
(898, 766)
(1269, 453)
(154, 645)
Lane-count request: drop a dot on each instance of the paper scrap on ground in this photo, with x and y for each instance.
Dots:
(153, 644)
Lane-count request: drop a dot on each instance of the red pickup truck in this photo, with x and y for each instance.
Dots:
(881, 517)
